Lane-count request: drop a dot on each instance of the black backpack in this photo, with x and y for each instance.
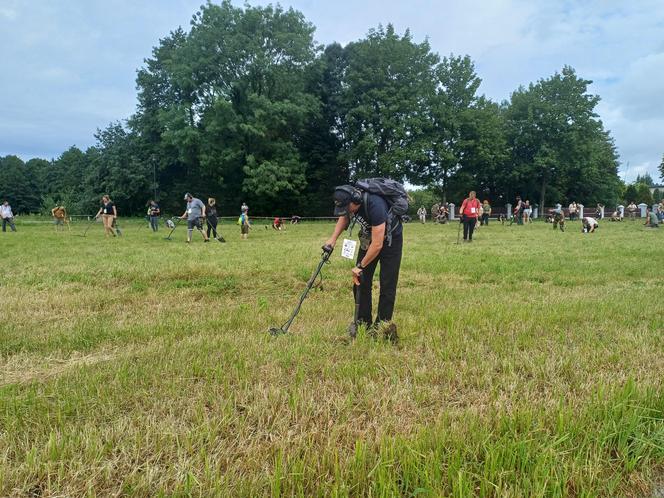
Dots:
(395, 195)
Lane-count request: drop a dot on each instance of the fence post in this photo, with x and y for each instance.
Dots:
(643, 207)
(621, 210)
(508, 206)
(451, 211)
(601, 210)
(535, 212)
(580, 210)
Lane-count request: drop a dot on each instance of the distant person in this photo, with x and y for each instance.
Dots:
(527, 212)
(616, 215)
(154, 212)
(660, 211)
(599, 209)
(651, 219)
(573, 208)
(212, 218)
(631, 210)
(558, 217)
(7, 217)
(517, 213)
(243, 221)
(422, 214)
(486, 212)
(194, 215)
(277, 224)
(59, 214)
(469, 212)
(443, 215)
(589, 224)
(435, 210)
(108, 214)
(294, 219)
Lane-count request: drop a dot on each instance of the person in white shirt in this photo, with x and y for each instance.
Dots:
(7, 217)
(422, 213)
(589, 225)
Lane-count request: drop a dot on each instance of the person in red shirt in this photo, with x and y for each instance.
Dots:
(470, 210)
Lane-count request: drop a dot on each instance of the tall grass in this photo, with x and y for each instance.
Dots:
(530, 364)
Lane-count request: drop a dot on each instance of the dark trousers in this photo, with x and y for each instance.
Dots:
(468, 227)
(212, 226)
(390, 262)
(485, 219)
(154, 223)
(9, 221)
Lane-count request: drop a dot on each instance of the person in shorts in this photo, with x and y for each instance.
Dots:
(108, 213)
(194, 215)
(470, 211)
(59, 214)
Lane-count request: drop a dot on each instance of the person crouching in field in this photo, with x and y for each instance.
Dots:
(108, 214)
(277, 224)
(558, 217)
(616, 215)
(469, 212)
(194, 215)
(588, 224)
(59, 214)
(651, 219)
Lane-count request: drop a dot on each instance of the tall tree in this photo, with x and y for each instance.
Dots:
(387, 84)
(555, 135)
(18, 186)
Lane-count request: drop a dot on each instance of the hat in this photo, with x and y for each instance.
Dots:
(342, 198)
(186, 196)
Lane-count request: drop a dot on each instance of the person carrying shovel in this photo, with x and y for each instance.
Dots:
(381, 241)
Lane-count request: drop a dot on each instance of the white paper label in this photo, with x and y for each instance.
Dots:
(472, 210)
(348, 249)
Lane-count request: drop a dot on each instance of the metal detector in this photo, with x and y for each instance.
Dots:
(218, 237)
(172, 225)
(87, 228)
(327, 251)
(352, 328)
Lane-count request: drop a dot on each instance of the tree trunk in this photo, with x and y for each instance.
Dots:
(542, 194)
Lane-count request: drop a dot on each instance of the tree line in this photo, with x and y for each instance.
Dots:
(246, 106)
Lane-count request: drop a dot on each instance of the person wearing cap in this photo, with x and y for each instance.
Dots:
(371, 213)
(559, 217)
(194, 214)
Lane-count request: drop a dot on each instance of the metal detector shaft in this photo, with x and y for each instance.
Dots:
(310, 284)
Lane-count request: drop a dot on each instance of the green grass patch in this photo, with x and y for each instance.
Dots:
(530, 364)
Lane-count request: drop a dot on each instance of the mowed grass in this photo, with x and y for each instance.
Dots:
(530, 364)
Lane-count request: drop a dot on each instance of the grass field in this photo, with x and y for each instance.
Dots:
(530, 364)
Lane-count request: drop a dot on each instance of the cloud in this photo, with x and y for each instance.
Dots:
(73, 64)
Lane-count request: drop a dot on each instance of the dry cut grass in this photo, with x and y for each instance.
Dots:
(530, 364)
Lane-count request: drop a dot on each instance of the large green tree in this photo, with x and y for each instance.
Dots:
(387, 84)
(557, 142)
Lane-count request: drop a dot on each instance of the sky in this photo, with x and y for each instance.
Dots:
(68, 67)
